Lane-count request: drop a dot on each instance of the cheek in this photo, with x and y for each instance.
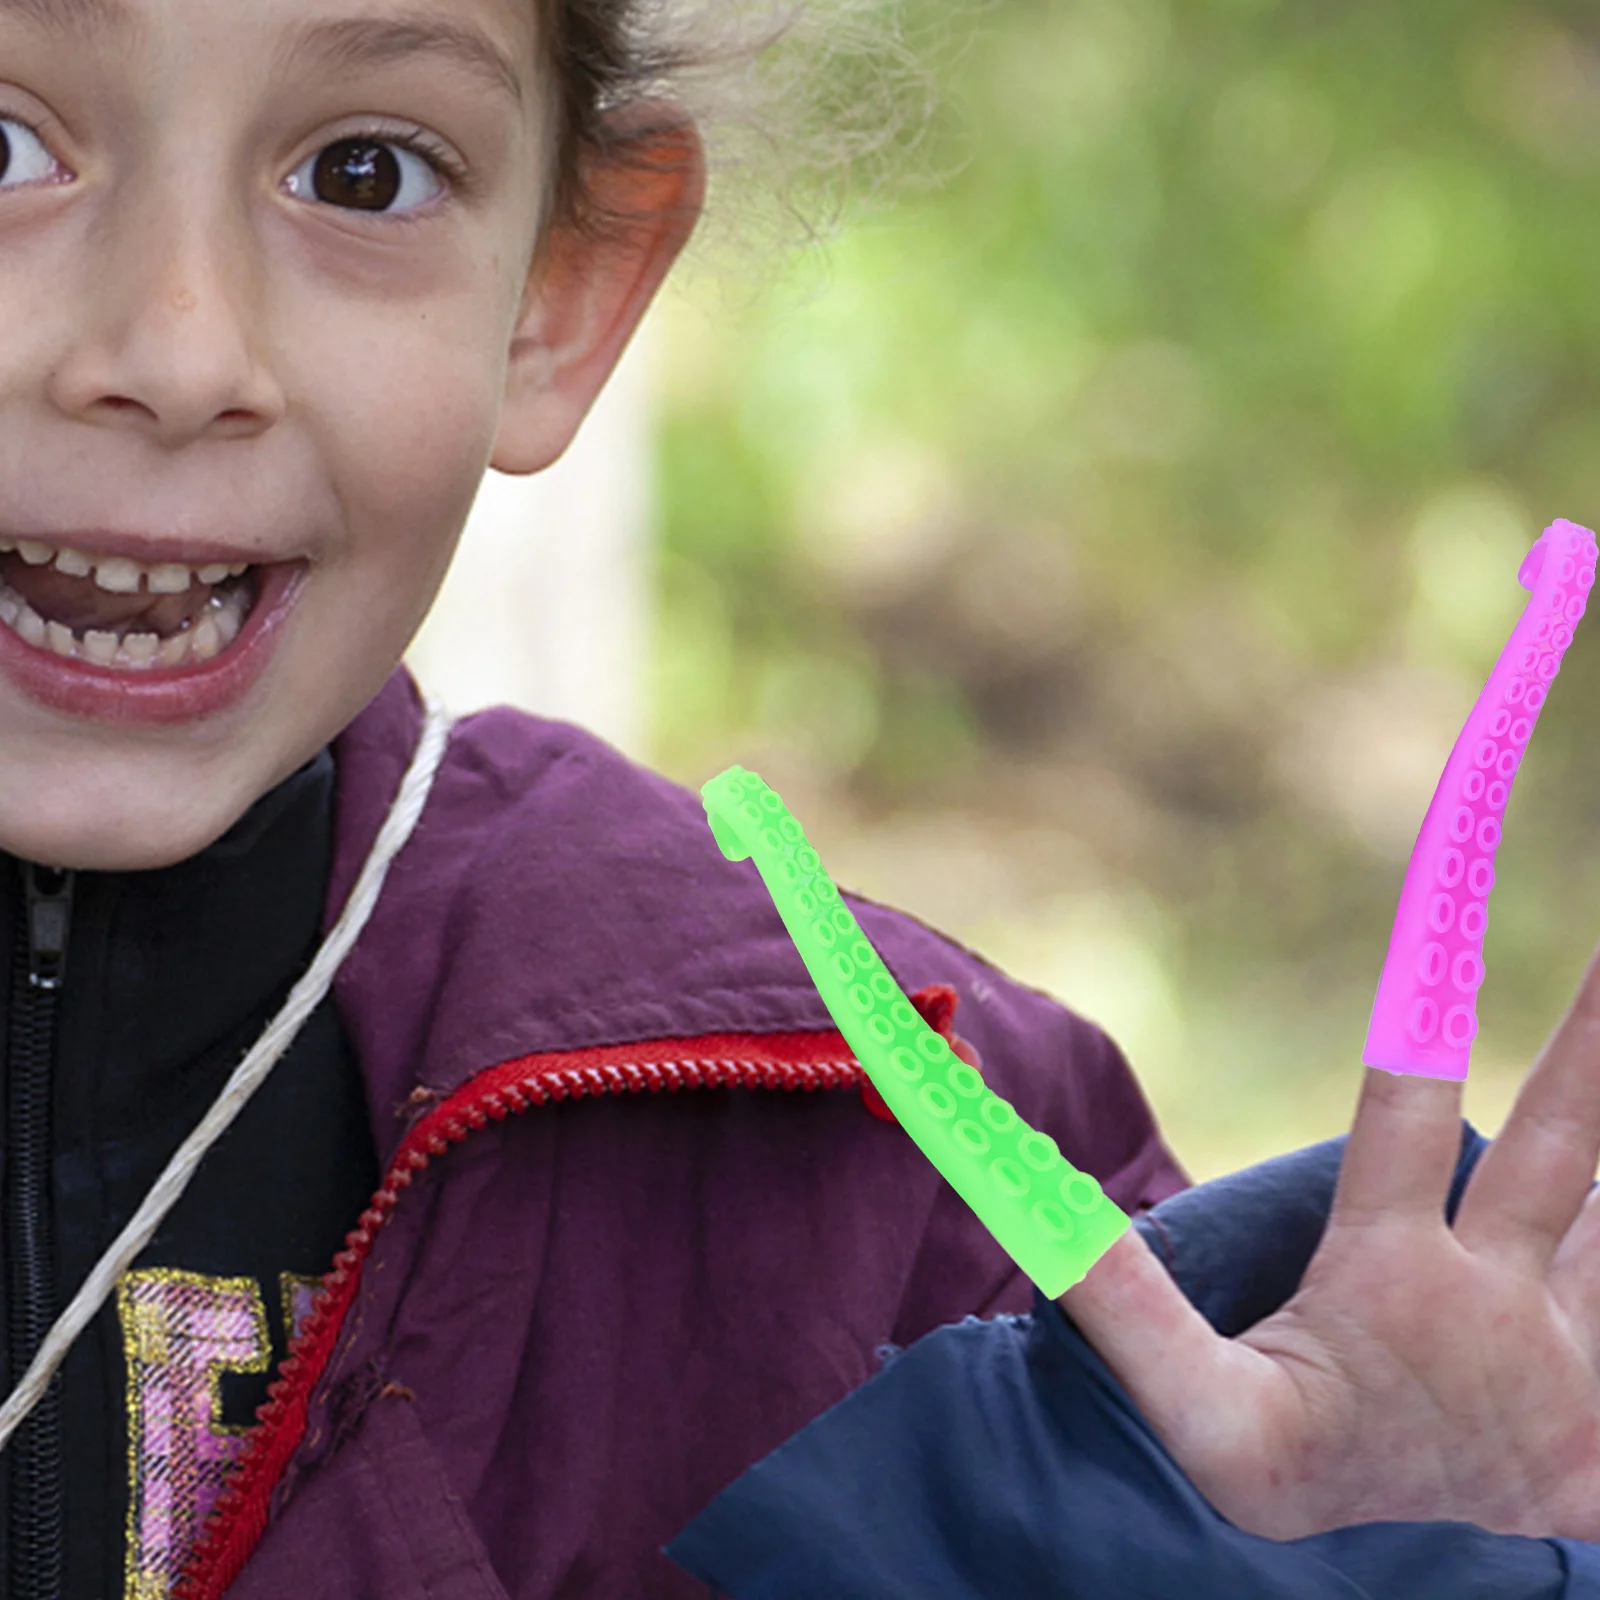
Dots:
(408, 456)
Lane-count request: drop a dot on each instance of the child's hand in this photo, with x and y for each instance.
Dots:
(1420, 1372)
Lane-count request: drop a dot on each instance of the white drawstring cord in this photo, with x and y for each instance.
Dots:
(251, 1073)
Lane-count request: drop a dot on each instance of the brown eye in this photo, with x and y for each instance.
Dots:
(372, 172)
(359, 173)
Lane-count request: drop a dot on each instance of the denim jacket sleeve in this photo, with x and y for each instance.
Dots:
(1000, 1460)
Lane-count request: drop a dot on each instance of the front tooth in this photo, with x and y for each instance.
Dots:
(169, 579)
(36, 555)
(216, 572)
(100, 648)
(74, 563)
(174, 651)
(118, 575)
(11, 604)
(60, 640)
(140, 649)
(31, 626)
(228, 624)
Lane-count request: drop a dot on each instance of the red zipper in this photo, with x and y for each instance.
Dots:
(792, 1061)
(799, 1061)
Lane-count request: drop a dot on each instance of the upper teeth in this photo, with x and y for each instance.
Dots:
(119, 575)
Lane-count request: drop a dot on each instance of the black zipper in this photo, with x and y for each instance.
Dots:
(34, 1542)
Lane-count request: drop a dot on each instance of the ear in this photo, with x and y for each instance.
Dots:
(589, 287)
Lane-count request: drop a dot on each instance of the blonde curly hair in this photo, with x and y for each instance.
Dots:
(803, 98)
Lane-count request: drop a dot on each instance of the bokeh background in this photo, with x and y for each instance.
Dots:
(1101, 549)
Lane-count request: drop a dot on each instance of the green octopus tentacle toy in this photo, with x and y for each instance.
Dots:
(1052, 1220)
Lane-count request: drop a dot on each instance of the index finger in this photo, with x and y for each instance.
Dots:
(1402, 1151)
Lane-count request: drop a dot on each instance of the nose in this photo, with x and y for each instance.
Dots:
(167, 336)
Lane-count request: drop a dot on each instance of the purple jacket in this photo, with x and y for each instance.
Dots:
(585, 1299)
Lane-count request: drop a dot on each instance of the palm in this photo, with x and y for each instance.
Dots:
(1420, 1372)
(1467, 1381)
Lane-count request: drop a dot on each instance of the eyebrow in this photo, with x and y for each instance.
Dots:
(351, 43)
(71, 16)
(340, 43)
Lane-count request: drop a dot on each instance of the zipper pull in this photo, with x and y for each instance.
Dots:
(49, 893)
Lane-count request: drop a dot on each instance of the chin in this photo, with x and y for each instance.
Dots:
(125, 837)
(96, 850)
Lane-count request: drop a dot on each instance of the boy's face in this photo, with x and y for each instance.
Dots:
(242, 325)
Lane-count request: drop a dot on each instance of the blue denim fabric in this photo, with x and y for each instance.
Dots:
(1000, 1460)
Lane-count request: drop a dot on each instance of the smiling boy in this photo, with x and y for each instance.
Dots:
(281, 280)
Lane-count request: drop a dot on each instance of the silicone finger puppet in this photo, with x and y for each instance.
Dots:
(1425, 1016)
(1052, 1220)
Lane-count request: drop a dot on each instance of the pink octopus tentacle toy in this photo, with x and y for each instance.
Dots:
(1425, 1017)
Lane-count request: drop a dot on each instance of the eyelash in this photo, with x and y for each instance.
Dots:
(418, 141)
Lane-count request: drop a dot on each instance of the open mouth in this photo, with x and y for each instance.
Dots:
(117, 614)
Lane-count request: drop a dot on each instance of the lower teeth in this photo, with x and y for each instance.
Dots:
(216, 629)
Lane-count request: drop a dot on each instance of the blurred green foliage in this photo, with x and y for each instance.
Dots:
(1101, 549)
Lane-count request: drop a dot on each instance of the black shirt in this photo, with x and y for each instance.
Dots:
(169, 979)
